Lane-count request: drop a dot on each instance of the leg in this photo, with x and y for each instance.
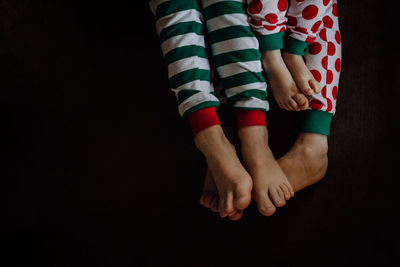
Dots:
(180, 26)
(307, 161)
(236, 54)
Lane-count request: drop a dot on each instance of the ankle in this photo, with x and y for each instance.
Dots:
(316, 143)
(209, 139)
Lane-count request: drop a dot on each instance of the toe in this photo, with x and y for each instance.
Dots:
(275, 193)
(316, 87)
(292, 104)
(301, 101)
(286, 192)
(289, 186)
(264, 204)
(226, 205)
(214, 204)
(242, 200)
(305, 87)
(207, 200)
(236, 216)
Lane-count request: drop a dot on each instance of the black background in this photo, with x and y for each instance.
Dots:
(100, 170)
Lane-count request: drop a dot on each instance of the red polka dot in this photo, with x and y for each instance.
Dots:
(334, 92)
(337, 37)
(316, 104)
(310, 39)
(314, 48)
(316, 75)
(255, 7)
(282, 5)
(256, 22)
(282, 29)
(310, 12)
(331, 48)
(334, 10)
(324, 62)
(337, 64)
(326, 2)
(316, 25)
(329, 77)
(300, 29)
(292, 21)
(299, 0)
(323, 91)
(329, 105)
(257, 33)
(269, 28)
(322, 34)
(271, 18)
(328, 22)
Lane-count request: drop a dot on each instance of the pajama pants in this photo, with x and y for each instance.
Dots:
(309, 28)
(182, 25)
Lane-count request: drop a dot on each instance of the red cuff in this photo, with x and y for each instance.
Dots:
(250, 118)
(203, 118)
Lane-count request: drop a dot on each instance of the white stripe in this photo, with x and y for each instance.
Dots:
(206, 3)
(239, 67)
(187, 64)
(194, 100)
(182, 40)
(238, 89)
(234, 45)
(227, 21)
(204, 86)
(154, 3)
(190, 15)
(252, 103)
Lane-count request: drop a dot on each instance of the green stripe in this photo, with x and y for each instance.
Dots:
(200, 106)
(181, 28)
(262, 95)
(270, 41)
(315, 121)
(222, 8)
(169, 7)
(185, 94)
(231, 32)
(237, 56)
(185, 52)
(189, 76)
(294, 46)
(242, 79)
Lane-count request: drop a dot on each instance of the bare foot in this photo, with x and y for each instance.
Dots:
(231, 179)
(307, 161)
(305, 81)
(271, 187)
(209, 197)
(283, 87)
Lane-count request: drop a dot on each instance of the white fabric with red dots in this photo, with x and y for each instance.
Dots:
(324, 60)
(311, 21)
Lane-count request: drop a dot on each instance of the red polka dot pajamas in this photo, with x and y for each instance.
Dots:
(309, 28)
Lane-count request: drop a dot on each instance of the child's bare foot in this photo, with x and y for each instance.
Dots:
(231, 179)
(304, 79)
(307, 161)
(209, 197)
(283, 87)
(271, 187)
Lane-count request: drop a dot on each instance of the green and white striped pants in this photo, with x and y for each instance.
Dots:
(182, 26)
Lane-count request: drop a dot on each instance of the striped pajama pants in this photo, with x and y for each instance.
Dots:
(182, 26)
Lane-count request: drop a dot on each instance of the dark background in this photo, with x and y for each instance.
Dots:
(100, 170)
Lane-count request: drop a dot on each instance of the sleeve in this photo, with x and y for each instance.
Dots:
(267, 19)
(305, 19)
(179, 25)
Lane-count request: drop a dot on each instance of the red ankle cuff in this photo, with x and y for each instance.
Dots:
(203, 118)
(250, 118)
